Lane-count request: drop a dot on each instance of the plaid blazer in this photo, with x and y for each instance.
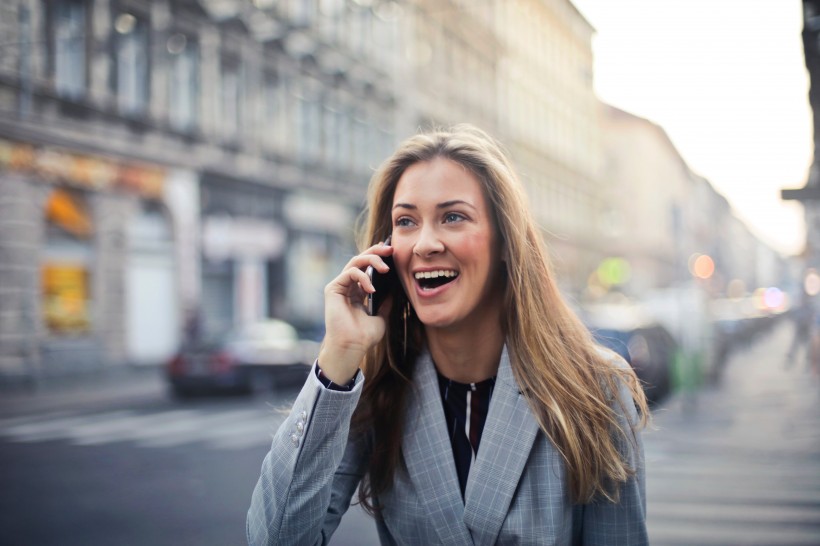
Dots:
(516, 491)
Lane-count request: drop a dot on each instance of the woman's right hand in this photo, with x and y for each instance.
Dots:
(349, 330)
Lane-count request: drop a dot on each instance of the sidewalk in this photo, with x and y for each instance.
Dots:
(126, 383)
(739, 462)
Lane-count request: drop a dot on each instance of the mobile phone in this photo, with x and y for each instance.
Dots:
(382, 282)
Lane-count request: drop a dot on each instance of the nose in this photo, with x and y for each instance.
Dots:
(428, 242)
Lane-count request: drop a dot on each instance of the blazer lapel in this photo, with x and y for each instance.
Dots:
(429, 456)
(506, 442)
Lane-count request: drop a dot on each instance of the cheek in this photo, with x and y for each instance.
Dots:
(401, 259)
(477, 246)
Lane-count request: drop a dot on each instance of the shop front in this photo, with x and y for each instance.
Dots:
(321, 242)
(76, 232)
(243, 245)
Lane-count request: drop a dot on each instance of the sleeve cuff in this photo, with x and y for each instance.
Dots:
(328, 384)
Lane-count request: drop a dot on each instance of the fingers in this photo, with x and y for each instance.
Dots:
(354, 282)
(373, 256)
(351, 277)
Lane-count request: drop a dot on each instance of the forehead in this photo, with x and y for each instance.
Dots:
(437, 181)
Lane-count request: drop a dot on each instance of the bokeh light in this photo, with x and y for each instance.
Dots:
(703, 267)
(614, 271)
(773, 298)
(811, 283)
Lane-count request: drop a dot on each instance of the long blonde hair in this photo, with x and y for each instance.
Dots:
(569, 383)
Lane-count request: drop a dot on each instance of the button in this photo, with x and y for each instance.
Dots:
(303, 415)
(300, 427)
(294, 440)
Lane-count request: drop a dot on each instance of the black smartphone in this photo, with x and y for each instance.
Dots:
(382, 282)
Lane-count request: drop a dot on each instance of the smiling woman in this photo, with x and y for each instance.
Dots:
(475, 347)
(446, 249)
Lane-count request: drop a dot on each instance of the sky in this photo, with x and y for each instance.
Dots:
(727, 81)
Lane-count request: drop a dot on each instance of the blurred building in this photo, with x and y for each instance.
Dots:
(450, 67)
(169, 168)
(647, 183)
(178, 162)
(172, 167)
(549, 121)
(522, 69)
(809, 195)
(662, 217)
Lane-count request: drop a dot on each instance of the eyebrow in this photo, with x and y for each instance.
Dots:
(444, 205)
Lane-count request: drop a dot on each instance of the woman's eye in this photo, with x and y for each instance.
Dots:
(403, 222)
(453, 217)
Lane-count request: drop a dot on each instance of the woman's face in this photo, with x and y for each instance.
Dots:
(445, 247)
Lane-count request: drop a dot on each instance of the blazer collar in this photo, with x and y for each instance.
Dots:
(506, 442)
(429, 456)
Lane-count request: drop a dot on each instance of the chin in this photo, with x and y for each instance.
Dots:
(434, 319)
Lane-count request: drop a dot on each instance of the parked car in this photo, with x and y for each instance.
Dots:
(649, 348)
(252, 357)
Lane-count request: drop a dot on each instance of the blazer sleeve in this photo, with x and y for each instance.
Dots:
(311, 470)
(623, 523)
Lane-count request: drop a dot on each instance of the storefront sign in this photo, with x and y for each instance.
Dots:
(88, 172)
(312, 214)
(225, 237)
(65, 211)
(65, 297)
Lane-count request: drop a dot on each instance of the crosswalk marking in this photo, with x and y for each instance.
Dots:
(127, 428)
(692, 469)
(55, 428)
(6, 422)
(229, 429)
(735, 513)
(689, 532)
(211, 426)
(238, 437)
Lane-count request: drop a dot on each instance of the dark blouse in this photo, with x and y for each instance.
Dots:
(465, 409)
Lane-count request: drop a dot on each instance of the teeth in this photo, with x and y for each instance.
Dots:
(435, 274)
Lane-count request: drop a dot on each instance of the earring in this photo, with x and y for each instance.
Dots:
(405, 316)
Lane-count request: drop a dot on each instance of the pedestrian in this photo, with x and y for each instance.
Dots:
(475, 407)
(804, 318)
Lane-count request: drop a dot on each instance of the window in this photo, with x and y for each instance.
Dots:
(302, 12)
(309, 123)
(346, 148)
(330, 152)
(268, 127)
(69, 47)
(332, 13)
(131, 62)
(184, 82)
(65, 267)
(231, 102)
(341, 144)
(311, 129)
(360, 144)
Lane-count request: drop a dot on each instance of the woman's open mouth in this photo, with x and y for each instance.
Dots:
(430, 280)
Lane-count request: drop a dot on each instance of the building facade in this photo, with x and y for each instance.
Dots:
(663, 216)
(177, 165)
(171, 167)
(549, 120)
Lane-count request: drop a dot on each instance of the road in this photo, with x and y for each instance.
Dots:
(739, 463)
(125, 464)
(128, 465)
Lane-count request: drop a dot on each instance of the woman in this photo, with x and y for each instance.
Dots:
(475, 408)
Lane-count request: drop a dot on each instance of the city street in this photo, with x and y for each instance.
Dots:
(740, 463)
(122, 463)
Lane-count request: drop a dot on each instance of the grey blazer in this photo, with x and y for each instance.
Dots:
(516, 491)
